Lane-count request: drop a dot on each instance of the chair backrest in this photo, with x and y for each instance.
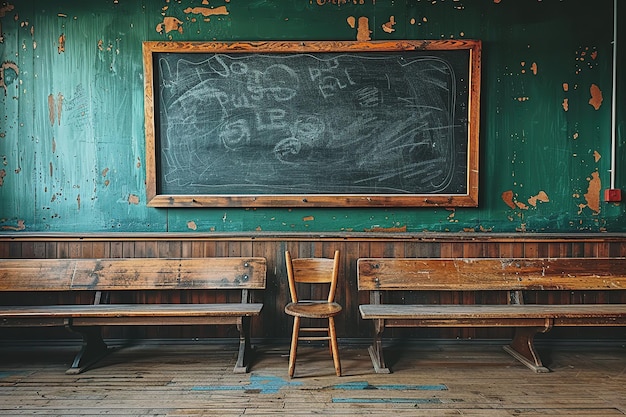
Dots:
(312, 271)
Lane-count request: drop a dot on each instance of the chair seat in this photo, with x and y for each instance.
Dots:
(313, 309)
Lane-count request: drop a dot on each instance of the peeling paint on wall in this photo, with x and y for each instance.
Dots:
(596, 156)
(596, 96)
(5, 8)
(61, 47)
(509, 199)
(55, 108)
(207, 11)
(388, 26)
(540, 197)
(192, 225)
(592, 196)
(170, 24)
(4, 79)
(363, 28)
(133, 199)
(20, 226)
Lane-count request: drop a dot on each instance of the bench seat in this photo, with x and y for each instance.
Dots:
(512, 276)
(594, 314)
(102, 277)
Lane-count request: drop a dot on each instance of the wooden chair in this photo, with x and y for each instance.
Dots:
(313, 271)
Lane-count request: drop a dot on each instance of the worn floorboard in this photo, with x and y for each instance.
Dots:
(196, 379)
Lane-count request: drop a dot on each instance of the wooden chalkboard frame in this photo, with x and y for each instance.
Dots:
(469, 198)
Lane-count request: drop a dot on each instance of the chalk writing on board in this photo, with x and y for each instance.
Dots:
(312, 123)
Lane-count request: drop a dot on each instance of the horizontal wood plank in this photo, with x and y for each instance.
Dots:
(491, 274)
(132, 274)
(454, 312)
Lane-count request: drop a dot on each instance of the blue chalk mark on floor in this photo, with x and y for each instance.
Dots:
(258, 384)
(364, 385)
(387, 400)
(6, 374)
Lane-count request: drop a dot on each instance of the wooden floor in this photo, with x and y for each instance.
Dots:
(196, 379)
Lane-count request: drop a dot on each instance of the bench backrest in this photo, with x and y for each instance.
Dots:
(132, 274)
(379, 274)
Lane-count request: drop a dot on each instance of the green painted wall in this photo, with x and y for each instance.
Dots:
(71, 110)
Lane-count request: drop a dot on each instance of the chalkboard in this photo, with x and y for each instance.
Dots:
(312, 124)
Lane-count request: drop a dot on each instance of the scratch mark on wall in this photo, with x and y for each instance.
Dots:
(4, 80)
(388, 26)
(78, 201)
(61, 47)
(170, 24)
(20, 226)
(192, 225)
(592, 196)
(596, 96)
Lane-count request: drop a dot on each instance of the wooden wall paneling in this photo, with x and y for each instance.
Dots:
(273, 323)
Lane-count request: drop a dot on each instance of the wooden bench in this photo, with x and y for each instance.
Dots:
(481, 274)
(102, 277)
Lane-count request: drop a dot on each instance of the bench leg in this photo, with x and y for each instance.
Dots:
(245, 349)
(92, 351)
(376, 349)
(523, 349)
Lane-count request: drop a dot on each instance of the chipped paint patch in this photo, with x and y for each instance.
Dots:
(207, 11)
(3, 173)
(192, 225)
(133, 199)
(308, 219)
(388, 26)
(4, 80)
(592, 196)
(170, 24)
(540, 197)
(507, 197)
(565, 104)
(20, 226)
(362, 27)
(61, 47)
(596, 96)
(5, 8)
(55, 108)
(596, 156)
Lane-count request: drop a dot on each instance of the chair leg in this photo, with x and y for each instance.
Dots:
(334, 346)
(294, 346)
